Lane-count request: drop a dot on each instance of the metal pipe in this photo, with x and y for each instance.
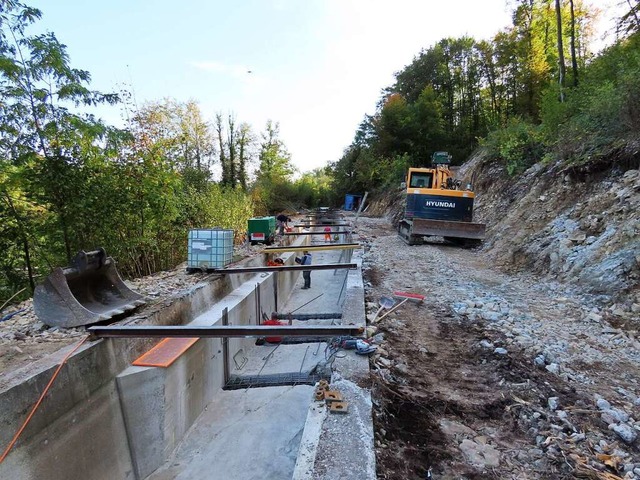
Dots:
(315, 233)
(223, 331)
(275, 290)
(287, 268)
(306, 316)
(309, 225)
(225, 348)
(312, 248)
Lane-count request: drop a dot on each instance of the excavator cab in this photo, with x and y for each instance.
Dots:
(421, 180)
(87, 292)
(437, 206)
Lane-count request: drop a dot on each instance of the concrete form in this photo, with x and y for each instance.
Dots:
(106, 419)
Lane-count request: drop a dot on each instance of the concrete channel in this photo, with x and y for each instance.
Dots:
(225, 409)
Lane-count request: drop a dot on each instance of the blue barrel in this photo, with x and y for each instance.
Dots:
(351, 202)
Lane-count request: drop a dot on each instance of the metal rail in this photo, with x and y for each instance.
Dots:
(312, 248)
(306, 316)
(310, 225)
(224, 331)
(316, 233)
(286, 268)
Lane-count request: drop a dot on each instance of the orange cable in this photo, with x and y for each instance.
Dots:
(35, 407)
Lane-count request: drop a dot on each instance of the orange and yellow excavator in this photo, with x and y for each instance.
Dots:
(438, 205)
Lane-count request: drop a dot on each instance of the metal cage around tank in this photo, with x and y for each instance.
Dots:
(209, 248)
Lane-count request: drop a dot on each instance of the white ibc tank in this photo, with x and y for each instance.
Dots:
(209, 248)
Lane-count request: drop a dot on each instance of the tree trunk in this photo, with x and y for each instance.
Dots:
(223, 159)
(231, 142)
(574, 59)
(25, 241)
(27, 261)
(560, 50)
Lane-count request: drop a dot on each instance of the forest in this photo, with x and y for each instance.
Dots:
(70, 182)
(534, 93)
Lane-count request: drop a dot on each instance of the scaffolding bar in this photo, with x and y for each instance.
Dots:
(286, 268)
(312, 225)
(313, 248)
(306, 316)
(224, 331)
(316, 233)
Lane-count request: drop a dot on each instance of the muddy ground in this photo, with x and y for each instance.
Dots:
(494, 376)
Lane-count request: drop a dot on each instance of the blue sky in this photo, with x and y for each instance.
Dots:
(317, 66)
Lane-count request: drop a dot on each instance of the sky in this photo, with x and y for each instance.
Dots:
(315, 66)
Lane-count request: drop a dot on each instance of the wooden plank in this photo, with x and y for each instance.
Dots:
(165, 352)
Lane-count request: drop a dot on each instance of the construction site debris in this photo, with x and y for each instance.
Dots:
(548, 408)
(339, 407)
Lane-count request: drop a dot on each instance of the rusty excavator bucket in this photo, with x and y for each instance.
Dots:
(89, 291)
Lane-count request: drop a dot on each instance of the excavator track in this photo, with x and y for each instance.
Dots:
(405, 233)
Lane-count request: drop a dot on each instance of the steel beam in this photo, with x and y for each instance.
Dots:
(312, 248)
(306, 316)
(285, 268)
(311, 225)
(315, 233)
(224, 331)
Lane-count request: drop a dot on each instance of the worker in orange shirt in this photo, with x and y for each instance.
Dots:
(327, 234)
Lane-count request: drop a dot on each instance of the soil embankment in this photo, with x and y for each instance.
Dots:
(496, 375)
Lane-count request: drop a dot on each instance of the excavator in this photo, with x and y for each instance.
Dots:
(437, 205)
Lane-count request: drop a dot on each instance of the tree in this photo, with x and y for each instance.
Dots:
(275, 160)
(561, 66)
(273, 186)
(244, 142)
(629, 22)
(574, 58)
(45, 142)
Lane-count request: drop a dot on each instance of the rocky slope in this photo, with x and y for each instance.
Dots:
(577, 225)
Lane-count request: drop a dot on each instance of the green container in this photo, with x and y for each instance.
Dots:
(261, 230)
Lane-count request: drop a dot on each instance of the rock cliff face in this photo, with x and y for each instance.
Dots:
(577, 225)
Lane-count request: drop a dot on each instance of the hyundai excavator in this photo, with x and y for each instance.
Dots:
(437, 205)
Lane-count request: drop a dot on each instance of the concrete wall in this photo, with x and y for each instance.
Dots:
(79, 430)
(161, 404)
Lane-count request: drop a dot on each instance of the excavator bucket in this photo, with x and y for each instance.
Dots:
(89, 291)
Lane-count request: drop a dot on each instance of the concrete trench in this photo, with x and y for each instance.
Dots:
(106, 419)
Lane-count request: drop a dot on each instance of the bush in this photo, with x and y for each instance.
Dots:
(519, 145)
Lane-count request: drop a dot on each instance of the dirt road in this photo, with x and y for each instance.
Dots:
(494, 375)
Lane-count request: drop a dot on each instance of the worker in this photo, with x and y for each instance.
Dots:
(283, 221)
(327, 234)
(276, 262)
(306, 274)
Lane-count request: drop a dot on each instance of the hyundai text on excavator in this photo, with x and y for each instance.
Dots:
(437, 205)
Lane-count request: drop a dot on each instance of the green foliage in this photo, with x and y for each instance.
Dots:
(602, 112)
(313, 189)
(273, 187)
(68, 182)
(519, 145)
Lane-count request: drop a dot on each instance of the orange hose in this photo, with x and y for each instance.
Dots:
(35, 407)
